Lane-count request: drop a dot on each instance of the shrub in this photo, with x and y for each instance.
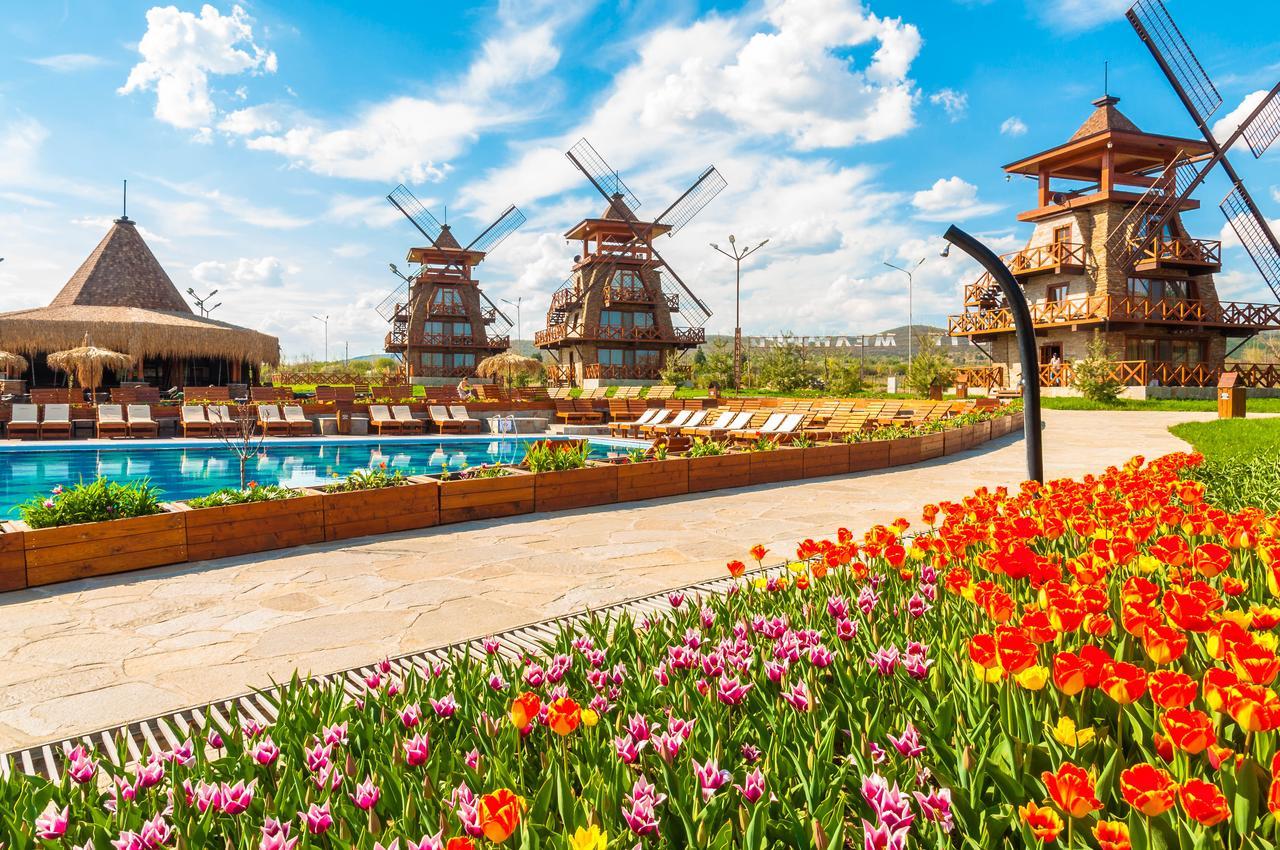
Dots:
(929, 367)
(556, 455)
(468, 473)
(368, 479)
(1094, 375)
(844, 378)
(1234, 483)
(254, 492)
(706, 447)
(783, 368)
(97, 501)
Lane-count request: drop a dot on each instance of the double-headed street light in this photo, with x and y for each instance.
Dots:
(325, 320)
(519, 300)
(737, 255)
(911, 321)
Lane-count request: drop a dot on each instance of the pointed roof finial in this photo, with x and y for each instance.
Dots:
(124, 206)
(1106, 78)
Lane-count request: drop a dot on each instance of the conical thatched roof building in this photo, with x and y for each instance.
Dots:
(122, 298)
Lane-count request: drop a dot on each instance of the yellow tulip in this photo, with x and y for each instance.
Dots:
(1068, 735)
(1148, 563)
(589, 717)
(797, 567)
(1033, 678)
(592, 838)
(988, 674)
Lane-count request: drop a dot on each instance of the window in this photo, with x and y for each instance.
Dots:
(432, 359)
(446, 296)
(1057, 291)
(627, 278)
(1148, 225)
(461, 329)
(1141, 287)
(623, 319)
(1178, 289)
(464, 359)
(1062, 234)
(629, 357)
(1167, 350)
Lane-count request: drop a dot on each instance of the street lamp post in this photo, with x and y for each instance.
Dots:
(325, 320)
(201, 302)
(519, 300)
(737, 255)
(911, 319)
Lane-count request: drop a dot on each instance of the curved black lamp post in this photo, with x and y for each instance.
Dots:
(1017, 301)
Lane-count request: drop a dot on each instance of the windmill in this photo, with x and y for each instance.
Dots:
(438, 323)
(1174, 185)
(625, 277)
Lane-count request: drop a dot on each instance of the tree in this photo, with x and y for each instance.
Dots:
(929, 367)
(243, 439)
(715, 367)
(783, 368)
(844, 378)
(1095, 375)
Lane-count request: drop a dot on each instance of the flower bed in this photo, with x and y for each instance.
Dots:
(13, 561)
(69, 552)
(1087, 663)
(377, 502)
(254, 525)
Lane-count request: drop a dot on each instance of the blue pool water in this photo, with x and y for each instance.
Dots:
(185, 469)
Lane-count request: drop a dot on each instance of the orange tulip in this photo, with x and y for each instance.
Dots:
(1171, 688)
(758, 552)
(1217, 685)
(1068, 673)
(1189, 730)
(1204, 802)
(1254, 708)
(1171, 550)
(1210, 559)
(1164, 645)
(1044, 822)
(524, 709)
(563, 716)
(1253, 662)
(736, 568)
(1124, 682)
(499, 815)
(1072, 790)
(1112, 835)
(1148, 789)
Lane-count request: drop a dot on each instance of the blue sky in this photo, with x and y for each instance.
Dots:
(259, 139)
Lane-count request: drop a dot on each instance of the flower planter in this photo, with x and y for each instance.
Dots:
(359, 513)
(870, 455)
(781, 464)
(821, 461)
(594, 484)
(718, 472)
(89, 549)
(931, 446)
(485, 498)
(653, 479)
(953, 440)
(981, 432)
(905, 451)
(13, 560)
(254, 527)
(1016, 421)
(1001, 426)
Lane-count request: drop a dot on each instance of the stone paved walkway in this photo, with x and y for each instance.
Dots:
(95, 653)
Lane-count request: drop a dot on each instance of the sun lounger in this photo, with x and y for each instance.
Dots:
(750, 433)
(140, 422)
(470, 423)
(441, 419)
(740, 420)
(299, 424)
(679, 419)
(25, 421)
(408, 425)
(220, 421)
(56, 422)
(723, 418)
(273, 424)
(646, 418)
(111, 422)
(380, 418)
(696, 418)
(194, 423)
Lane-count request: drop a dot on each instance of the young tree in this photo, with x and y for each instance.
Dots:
(716, 367)
(243, 440)
(783, 367)
(929, 367)
(1095, 375)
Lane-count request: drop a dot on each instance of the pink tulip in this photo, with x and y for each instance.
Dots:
(428, 842)
(445, 706)
(491, 646)
(884, 661)
(750, 754)
(366, 795)
(846, 630)
(394, 845)
(213, 739)
(710, 777)
(676, 599)
(798, 697)
(236, 798)
(317, 758)
(820, 656)
(335, 735)
(837, 607)
(80, 767)
(128, 841)
(52, 825)
(317, 819)
(328, 778)
(278, 841)
(638, 727)
(667, 746)
(497, 683)
(384, 666)
(908, 743)
(373, 681)
(416, 750)
(265, 751)
(775, 672)
(867, 599)
(472, 759)
(149, 774)
(752, 788)
(881, 837)
(732, 692)
(917, 607)
(411, 715)
(683, 728)
(155, 832)
(628, 749)
(936, 807)
(252, 729)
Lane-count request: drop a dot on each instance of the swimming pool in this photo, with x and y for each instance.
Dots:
(183, 469)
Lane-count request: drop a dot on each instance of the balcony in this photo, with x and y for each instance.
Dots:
(567, 297)
(683, 337)
(1057, 257)
(1141, 373)
(608, 371)
(1102, 308)
(1200, 256)
(398, 340)
(444, 371)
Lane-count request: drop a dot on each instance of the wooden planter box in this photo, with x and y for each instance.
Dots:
(953, 440)
(821, 461)
(904, 451)
(89, 549)
(869, 455)
(653, 479)
(485, 498)
(719, 472)
(595, 484)
(13, 561)
(1015, 421)
(781, 464)
(255, 527)
(1000, 426)
(981, 432)
(931, 446)
(363, 512)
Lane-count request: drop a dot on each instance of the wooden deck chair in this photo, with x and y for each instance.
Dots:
(220, 421)
(194, 423)
(681, 417)
(723, 418)
(56, 422)
(273, 424)
(441, 419)
(662, 391)
(381, 419)
(695, 418)
(790, 426)
(299, 424)
(111, 422)
(750, 433)
(409, 425)
(627, 427)
(889, 413)
(469, 422)
(25, 421)
(140, 422)
(740, 420)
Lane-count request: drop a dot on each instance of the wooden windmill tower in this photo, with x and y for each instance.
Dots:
(613, 320)
(442, 324)
(1110, 252)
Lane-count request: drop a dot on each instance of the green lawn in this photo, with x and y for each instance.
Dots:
(1232, 439)
(1255, 405)
(1242, 461)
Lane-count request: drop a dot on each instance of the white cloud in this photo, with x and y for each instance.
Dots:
(102, 223)
(1227, 124)
(244, 273)
(20, 144)
(250, 121)
(180, 51)
(372, 212)
(351, 250)
(1013, 126)
(950, 198)
(954, 103)
(1275, 194)
(65, 63)
(1080, 15)
(518, 55)
(239, 208)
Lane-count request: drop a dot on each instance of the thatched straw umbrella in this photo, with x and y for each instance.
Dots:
(508, 364)
(88, 362)
(12, 362)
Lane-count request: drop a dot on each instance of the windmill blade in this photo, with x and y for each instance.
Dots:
(1151, 20)
(693, 309)
(498, 311)
(1265, 126)
(387, 309)
(1255, 234)
(419, 216)
(504, 226)
(604, 178)
(689, 204)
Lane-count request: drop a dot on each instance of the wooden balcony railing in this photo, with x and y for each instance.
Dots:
(1141, 373)
(980, 376)
(1180, 252)
(1044, 258)
(444, 371)
(557, 374)
(609, 371)
(1099, 308)
(617, 333)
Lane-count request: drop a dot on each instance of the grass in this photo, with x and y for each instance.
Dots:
(1255, 405)
(1242, 461)
(1231, 439)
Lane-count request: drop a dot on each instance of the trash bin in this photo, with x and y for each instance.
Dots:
(1231, 397)
(962, 389)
